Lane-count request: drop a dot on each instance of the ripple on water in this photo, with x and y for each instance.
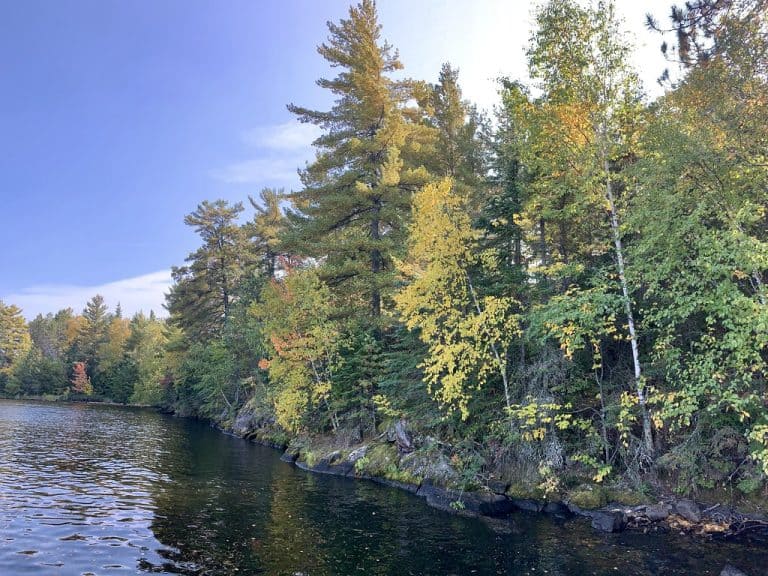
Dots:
(71, 497)
(100, 490)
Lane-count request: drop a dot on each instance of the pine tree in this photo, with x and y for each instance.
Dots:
(355, 197)
(91, 333)
(460, 151)
(49, 333)
(266, 228)
(14, 339)
(204, 290)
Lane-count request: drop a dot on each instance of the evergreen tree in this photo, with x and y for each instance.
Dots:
(14, 340)
(146, 350)
(93, 332)
(460, 147)
(266, 229)
(36, 374)
(355, 196)
(202, 294)
(49, 333)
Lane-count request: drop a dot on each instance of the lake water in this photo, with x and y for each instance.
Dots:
(88, 489)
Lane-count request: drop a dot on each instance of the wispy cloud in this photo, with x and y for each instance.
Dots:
(275, 153)
(291, 135)
(281, 171)
(141, 293)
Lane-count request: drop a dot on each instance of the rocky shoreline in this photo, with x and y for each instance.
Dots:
(392, 460)
(493, 501)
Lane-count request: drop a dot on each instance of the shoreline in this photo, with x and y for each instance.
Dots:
(494, 500)
(714, 521)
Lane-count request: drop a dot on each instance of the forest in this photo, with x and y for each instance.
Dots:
(567, 291)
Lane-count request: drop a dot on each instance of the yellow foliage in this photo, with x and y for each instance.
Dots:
(461, 328)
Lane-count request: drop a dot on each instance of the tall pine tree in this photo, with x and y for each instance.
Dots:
(201, 297)
(356, 194)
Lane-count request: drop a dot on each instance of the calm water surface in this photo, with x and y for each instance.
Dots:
(104, 490)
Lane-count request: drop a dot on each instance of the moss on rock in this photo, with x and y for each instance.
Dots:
(523, 491)
(588, 496)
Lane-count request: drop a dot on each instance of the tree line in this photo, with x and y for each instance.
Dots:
(96, 353)
(570, 288)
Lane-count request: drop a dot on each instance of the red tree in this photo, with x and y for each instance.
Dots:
(81, 383)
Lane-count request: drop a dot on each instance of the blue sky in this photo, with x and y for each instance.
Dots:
(118, 117)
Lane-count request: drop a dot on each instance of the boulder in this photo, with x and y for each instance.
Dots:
(441, 498)
(357, 453)
(556, 509)
(608, 521)
(527, 504)
(689, 510)
(289, 457)
(324, 466)
(497, 486)
(657, 512)
(334, 457)
(431, 464)
(245, 422)
(491, 504)
(412, 488)
(474, 503)
(403, 438)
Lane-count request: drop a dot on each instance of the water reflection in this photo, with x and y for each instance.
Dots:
(107, 490)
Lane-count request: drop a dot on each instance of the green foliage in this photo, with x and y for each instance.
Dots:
(303, 339)
(467, 334)
(37, 375)
(202, 294)
(117, 384)
(14, 339)
(147, 352)
(588, 497)
(528, 295)
(355, 195)
(264, 231)
(206, 386)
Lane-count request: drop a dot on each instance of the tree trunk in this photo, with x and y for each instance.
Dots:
(647, 432)
(224, 289)
(542, 242)
(502, 364)
(376, 263)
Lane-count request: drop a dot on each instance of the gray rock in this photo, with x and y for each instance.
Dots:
(412, 488)
(497, 486)
(657, 512)
(574, 509)
(403, 438)
(289, 457)
(527, 504)
(432, 464)
(556, 509)
(493, 504)
(608, 521)
(689, 510)
(356, 454)
(729, 570)
(441, 498)
(472, 503)
(245, 422)
(249, 421)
